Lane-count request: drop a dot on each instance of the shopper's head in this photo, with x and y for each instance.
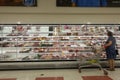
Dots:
(109, 33)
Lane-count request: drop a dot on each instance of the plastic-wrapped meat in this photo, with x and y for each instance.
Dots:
(19, 28)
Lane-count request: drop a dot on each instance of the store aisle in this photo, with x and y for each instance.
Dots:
(57, 74)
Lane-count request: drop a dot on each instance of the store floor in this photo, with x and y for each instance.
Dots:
(56, 74)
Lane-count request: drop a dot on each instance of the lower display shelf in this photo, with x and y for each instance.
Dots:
(33, 65)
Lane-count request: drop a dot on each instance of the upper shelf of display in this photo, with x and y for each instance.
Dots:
(23, 30)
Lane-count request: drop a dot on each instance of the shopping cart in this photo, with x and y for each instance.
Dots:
(91, 59)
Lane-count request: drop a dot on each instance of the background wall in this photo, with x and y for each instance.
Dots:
(47, 13)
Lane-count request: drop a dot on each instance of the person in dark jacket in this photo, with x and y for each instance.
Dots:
(110, 50)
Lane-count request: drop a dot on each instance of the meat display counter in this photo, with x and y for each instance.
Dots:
(45, 43)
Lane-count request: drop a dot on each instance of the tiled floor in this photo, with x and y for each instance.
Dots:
(96, 78)
(67, 74)
(49, 78)
(8, 79)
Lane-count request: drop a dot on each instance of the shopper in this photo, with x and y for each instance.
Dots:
(110, 50)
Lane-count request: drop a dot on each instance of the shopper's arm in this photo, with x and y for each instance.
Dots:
(108, 44)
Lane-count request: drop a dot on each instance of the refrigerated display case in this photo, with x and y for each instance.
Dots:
(52, 42)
